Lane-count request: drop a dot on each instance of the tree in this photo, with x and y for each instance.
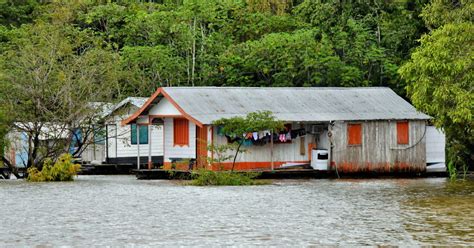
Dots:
(375, 37)
(3, 134)
(56, 80)
(439, 12)
(17, 12)
(151, 67)
(253, 122)
(440, 75)
(303, 58)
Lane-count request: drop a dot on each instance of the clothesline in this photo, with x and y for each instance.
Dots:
(264, 137)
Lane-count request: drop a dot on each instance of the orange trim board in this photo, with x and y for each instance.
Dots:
(242, 166)
(150, 100)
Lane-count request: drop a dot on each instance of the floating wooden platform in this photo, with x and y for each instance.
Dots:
(107, 169)
(6, 172)
(276, 174)
(150, 174)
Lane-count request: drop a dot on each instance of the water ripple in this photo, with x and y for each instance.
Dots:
(122, 211)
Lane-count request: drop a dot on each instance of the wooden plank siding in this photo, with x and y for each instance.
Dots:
(379, 151)
(119, 141)
(258, 157)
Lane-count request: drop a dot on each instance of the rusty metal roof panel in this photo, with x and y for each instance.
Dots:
(315, 104)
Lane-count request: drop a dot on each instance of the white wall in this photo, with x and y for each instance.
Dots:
(119, 140)
(164, 107)
(435, 145)
(94, 152)
(111, 140)
(172, 151)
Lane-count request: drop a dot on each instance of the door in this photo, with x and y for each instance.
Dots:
(201, 146)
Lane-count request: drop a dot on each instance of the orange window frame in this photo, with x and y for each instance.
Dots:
(354, 134)
(180, 132)
(403, 133)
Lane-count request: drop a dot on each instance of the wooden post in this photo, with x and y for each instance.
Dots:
(271, 149)
(138, 145)
(116, 140)
(149, 145)
(106, 143)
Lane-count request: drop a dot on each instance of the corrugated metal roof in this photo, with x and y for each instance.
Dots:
(136, 101)
(207, 104)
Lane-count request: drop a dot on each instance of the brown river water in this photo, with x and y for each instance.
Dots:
(123, 211)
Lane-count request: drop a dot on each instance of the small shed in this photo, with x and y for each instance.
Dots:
(364, 129)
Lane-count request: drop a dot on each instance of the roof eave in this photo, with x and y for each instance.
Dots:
(158, 92)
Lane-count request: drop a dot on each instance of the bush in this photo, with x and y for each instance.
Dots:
(63, 170)
(208, 177)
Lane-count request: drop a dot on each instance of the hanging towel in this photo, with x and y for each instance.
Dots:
(247, 142)
(255, 135)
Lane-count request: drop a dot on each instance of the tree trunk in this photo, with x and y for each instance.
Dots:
(193, 68)
(33, 144)
(13, 168)
(236, 153)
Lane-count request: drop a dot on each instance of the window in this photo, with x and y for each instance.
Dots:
(402, 132)
(143, 134)
(99, 135)
(354, 134)
(181, 132)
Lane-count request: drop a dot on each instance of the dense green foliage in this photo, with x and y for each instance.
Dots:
(441, 75)
(241, 42)
(223, 178)
(3, 133)
(129, 48)
(62, 170)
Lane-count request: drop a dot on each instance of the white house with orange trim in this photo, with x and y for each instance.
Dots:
(122, 142)
(362, 129)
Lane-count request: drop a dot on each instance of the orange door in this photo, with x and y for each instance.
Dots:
(201, 146)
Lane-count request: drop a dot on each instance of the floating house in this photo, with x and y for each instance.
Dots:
(353, 129)
(18, 141)
(123, 142)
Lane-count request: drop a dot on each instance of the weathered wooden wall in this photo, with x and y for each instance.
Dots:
(379, 151)
(259, 157)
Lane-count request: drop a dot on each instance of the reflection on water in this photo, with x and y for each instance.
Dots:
(447, 215)
(119, 210)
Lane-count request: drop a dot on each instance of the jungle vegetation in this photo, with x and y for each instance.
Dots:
(56, 55)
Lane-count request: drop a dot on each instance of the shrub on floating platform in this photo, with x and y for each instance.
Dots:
(62, 170)
(220, 178)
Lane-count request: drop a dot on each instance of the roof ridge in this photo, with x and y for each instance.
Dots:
(296, 88)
